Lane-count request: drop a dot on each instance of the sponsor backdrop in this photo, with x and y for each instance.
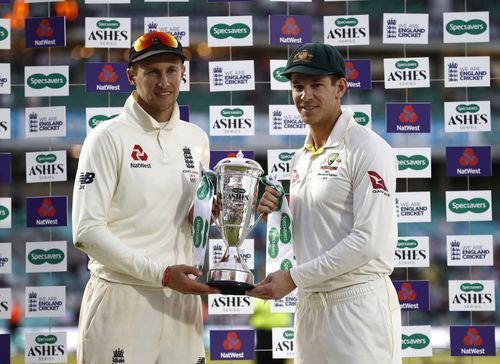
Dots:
(424, 75)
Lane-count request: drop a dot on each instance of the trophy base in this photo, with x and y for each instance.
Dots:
(231, 287)
(231, 281)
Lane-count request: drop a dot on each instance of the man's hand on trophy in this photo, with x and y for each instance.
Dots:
(216, 207)
(177, 278)
(275, 286)
(268, 202)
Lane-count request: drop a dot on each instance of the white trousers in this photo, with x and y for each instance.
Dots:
(360, 324)
(127, 324)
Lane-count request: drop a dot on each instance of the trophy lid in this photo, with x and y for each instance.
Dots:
(239, 161)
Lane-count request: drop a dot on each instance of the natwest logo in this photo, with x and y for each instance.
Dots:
(139, 155)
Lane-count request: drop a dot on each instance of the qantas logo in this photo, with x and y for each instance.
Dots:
(378, 183)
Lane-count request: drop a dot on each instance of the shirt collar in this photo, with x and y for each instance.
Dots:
(145, 120)
(343, 123)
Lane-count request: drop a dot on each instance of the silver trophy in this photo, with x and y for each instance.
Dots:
(237, 189)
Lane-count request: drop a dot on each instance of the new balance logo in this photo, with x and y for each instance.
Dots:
(85, 178)
(200, 360)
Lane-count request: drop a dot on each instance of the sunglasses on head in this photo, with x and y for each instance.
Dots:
(147, 40)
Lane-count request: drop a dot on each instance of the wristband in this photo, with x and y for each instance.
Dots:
(166, 277)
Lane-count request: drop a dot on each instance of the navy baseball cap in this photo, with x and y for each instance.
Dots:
(315, 59)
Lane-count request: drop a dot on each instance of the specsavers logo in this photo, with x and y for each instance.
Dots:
(472, 27)
(51, 256)
(415, 162)
(415, 341)
(223, 31)
(97, 119)
(39, 80)
(474, 205)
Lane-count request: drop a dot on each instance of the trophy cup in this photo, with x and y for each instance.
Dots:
(237, 188)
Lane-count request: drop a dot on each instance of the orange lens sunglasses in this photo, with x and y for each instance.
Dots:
(145, 41)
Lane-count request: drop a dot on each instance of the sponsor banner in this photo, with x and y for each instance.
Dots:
(469, 250)
(286, 120)
(106, 77)
(408, 118)
(47, 301)
(286, 304)
(278, 82)
(362, 113)
(5, 212)
(413, 295)
(290, 29)
(217, 248)
(283, 342)
(278, 161)
(467, 71)
(413, 162)
(6, 168)
(46, 256)
(346, 30)
(219, 304)
(359, 74)
(5, 258)
(4, 344)
(96, 115)
(172, 1)
(472, 341)
(107, 32)
(217, 155)
(47, 166)
(232, 344)
(406, 28)
(5, 304)
(230, 120)
(224, 31)
(416, 341)
(412, 252)
(5, 127)
(5, 32)
(406, 73)
(184, 112)
(186, 80)
(468, 161)
(178, 26)
(471, 295)
(413, 206)
(5, 78)
(468, 206)
(45, 32)
(45, 347)
(107, 1)
(46, 211)
(469, 27)
(46, 81)
(465, 116)
(45, 121)
(231, 75)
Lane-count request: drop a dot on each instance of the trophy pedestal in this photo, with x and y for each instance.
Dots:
(231, 277)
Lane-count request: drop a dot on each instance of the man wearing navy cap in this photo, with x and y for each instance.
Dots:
(342, 199)
(132, 210)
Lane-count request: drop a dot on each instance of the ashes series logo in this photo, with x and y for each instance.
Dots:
(232, 120)
(48, 166)
(5, 304)
(48, 347)
(412, 251)
(406, 73)
(107, 32)
(471, 295)
(283, 342)
(465, 116)
(278, 161)
(4, 121)
(346, 30)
